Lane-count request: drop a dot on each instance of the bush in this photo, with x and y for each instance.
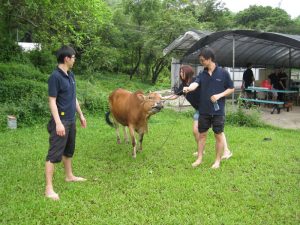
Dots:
(240, 117)
(11, 71)
(19, 90)
(44, 60)
(10, 51)
(91, 99)
(23, 93)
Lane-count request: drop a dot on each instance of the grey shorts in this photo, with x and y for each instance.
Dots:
(61, 146)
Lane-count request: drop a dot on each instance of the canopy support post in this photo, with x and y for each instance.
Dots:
(290, 69)
(233, 64)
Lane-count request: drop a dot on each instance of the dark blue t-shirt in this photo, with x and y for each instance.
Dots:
(218, 82)
(192, 97)
(63, 88)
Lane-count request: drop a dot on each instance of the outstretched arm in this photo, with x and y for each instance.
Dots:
(170, 97)
(192, 87)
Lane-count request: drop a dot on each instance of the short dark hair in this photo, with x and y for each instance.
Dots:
(249, 64)
(207, 53)
(64, 51)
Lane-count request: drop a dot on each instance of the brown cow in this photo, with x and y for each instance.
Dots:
(132, 110)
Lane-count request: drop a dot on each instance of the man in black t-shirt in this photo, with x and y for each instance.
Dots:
(248, 79)
(277, 83)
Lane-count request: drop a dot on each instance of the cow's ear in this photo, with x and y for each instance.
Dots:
(141, 96)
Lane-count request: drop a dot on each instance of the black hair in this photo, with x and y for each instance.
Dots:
(64, 51)
(248, 64)
(207, 53)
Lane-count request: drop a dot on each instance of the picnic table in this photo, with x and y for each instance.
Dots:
(276, 104)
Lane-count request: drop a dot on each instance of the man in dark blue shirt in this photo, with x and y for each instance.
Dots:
(186, 75)
(214, 83)
(61, 127)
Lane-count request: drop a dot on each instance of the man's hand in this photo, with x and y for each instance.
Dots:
(186, 89)
(82, 121)
(215, 98)
(60, 130)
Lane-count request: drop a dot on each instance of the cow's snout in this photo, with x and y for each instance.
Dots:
(157, 107)
(160, 105)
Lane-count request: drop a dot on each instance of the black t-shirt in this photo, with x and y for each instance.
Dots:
(192, 97)
(283, 78)
(275, 81)
(248, 77)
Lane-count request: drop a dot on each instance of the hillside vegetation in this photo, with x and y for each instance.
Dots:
(23, 92)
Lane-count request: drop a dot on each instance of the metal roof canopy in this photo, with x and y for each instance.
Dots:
(236, 48)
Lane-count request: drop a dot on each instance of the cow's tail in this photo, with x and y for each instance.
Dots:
(107, 119)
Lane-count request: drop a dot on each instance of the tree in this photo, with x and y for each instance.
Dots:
(263, 18)
(53, 23)
(172, 20)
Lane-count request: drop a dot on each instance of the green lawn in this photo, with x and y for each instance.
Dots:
(259, 185)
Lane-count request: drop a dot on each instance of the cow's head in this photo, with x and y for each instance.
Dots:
(151, 102)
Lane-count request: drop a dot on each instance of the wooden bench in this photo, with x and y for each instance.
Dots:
(275, 103)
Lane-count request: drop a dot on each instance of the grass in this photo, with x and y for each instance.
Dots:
(259, 185)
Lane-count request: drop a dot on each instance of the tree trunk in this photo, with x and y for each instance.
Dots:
(157, 68)
(137, 65)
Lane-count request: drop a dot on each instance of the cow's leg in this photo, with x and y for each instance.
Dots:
(141, 136)
(117, 132)
(133, 141)
(125, 135)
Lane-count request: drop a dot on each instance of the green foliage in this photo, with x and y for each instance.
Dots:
(101, 58)
(23, 93)
(241, 116)
(20, 89)
(212, 15)
(28, 112)
(121, 36)
(263, 18)
(10, 51)
(11, 71)
(93, 100)
(43, 59)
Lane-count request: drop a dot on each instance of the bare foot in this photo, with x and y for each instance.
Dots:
(196, 153)
(75, 179)
(216, 165)
(227, 154)
(52, 195)
(197, 163)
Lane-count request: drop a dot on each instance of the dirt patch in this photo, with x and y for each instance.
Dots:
(288, 120)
